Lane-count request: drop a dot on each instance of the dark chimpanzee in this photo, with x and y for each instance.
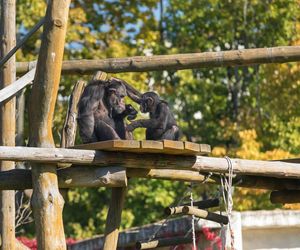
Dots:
(161, 124)
(101, 111)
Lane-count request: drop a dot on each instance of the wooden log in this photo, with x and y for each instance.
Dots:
(47, 203)
(113, 219)
(7, 120)
(78, 176)
(173, 210)
(205, 214)
(248, 167)
(131, 160)
(241, 57)
(285, 196)
(21, 179)
(70, 125)
(257, 182)
(164, 242)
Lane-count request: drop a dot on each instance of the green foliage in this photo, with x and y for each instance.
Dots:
(249, 112)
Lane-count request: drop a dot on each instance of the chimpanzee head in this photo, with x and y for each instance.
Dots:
(115, 94)
(149, 101)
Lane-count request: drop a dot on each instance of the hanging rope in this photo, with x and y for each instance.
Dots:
(226, 184)
(168, 217)
(193, 219)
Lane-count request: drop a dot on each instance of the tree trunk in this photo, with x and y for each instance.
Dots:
(7, 120)
(47, 203)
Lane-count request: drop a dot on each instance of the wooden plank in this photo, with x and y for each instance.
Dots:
(191, 148)
(148, 146)
(111, 145)
(12, 89)
(205, 149)
(173, 147)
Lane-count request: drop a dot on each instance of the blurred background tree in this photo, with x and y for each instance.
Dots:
(248, 112)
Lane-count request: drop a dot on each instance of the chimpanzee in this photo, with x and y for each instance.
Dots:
(101, 111)
(161, 124)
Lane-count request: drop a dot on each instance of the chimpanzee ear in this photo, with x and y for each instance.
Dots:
(150, 101)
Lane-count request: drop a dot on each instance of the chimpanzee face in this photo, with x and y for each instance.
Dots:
(116, 94)
(147, 102)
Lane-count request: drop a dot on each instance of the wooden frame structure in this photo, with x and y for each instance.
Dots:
(44, 177)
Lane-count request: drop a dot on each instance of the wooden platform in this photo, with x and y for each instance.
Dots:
(146, 146)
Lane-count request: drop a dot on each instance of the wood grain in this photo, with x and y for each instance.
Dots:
(47, 203)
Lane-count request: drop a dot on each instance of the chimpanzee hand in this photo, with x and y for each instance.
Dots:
(130, 127)
(132, 113)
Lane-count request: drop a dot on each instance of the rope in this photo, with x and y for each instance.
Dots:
(168, 217)
(193, 219)
(226, 184)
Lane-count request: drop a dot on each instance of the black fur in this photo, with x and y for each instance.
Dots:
(161, 124)
(101, 112)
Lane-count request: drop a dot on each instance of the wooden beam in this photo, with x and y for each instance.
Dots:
(12, 89)
(147, 161)
(47, 203)
(78, 176)
(113, 219)
(285, 196)
(97, 176)
(7, 119)
(205, 214)
(258, 182)
(241, 57)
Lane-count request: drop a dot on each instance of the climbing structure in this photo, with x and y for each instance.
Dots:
(114, 161)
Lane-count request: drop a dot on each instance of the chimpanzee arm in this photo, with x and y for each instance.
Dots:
(159, 122)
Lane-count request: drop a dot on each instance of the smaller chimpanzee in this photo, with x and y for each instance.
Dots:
(161, 124)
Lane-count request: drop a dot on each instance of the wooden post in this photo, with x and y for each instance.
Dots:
(113, 219)
(114, 214)
(47, 203)
(7, 120)
(68, 134)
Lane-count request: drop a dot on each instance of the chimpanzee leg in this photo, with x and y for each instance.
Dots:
(86, 129)
(171, 134)
(105, 132)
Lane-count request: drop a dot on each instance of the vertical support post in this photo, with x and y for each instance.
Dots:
(7, 120)
(113, 219)
(47, 203)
